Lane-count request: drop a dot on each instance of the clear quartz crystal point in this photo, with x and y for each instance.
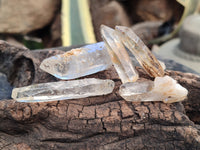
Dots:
(119, 55)
(63, 90)
(146, 59)
(163, 89)
(78, 62)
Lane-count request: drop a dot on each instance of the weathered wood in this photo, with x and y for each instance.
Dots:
(102, 122)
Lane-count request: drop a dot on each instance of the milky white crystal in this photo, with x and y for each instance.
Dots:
(119, 55)
(163, 89)
(63, 90)
(141, 52)
(78, 62)
(162, 64)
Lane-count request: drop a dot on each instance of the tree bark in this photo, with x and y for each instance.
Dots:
(101, 122)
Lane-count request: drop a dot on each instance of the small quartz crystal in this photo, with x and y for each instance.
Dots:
(78, 62)
(146, 59)
(163, 89)
(118, 55)
(63, 90)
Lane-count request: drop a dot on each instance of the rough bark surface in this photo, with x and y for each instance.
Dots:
(103, 122)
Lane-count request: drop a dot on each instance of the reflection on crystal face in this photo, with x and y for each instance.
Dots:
(119, 55)
(63, 90)
(78, 62)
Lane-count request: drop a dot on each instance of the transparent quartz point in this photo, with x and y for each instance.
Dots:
(163, 89)
(146, 59)
(78, 62)
(63, 90)
(119, 55)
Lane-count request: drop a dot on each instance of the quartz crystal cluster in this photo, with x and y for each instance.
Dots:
(98, 57)
(163, 88)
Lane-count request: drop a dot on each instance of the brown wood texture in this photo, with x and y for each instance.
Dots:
(101, 122)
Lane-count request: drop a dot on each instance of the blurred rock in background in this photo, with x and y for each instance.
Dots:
(185, 49)
(154, 10)
(110, 13)
(25, 16)
(41, 20)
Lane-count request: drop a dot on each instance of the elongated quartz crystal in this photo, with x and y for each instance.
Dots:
(78, 62)
(146, 59)
(63, 90)
(119, 55)
(163, 89)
